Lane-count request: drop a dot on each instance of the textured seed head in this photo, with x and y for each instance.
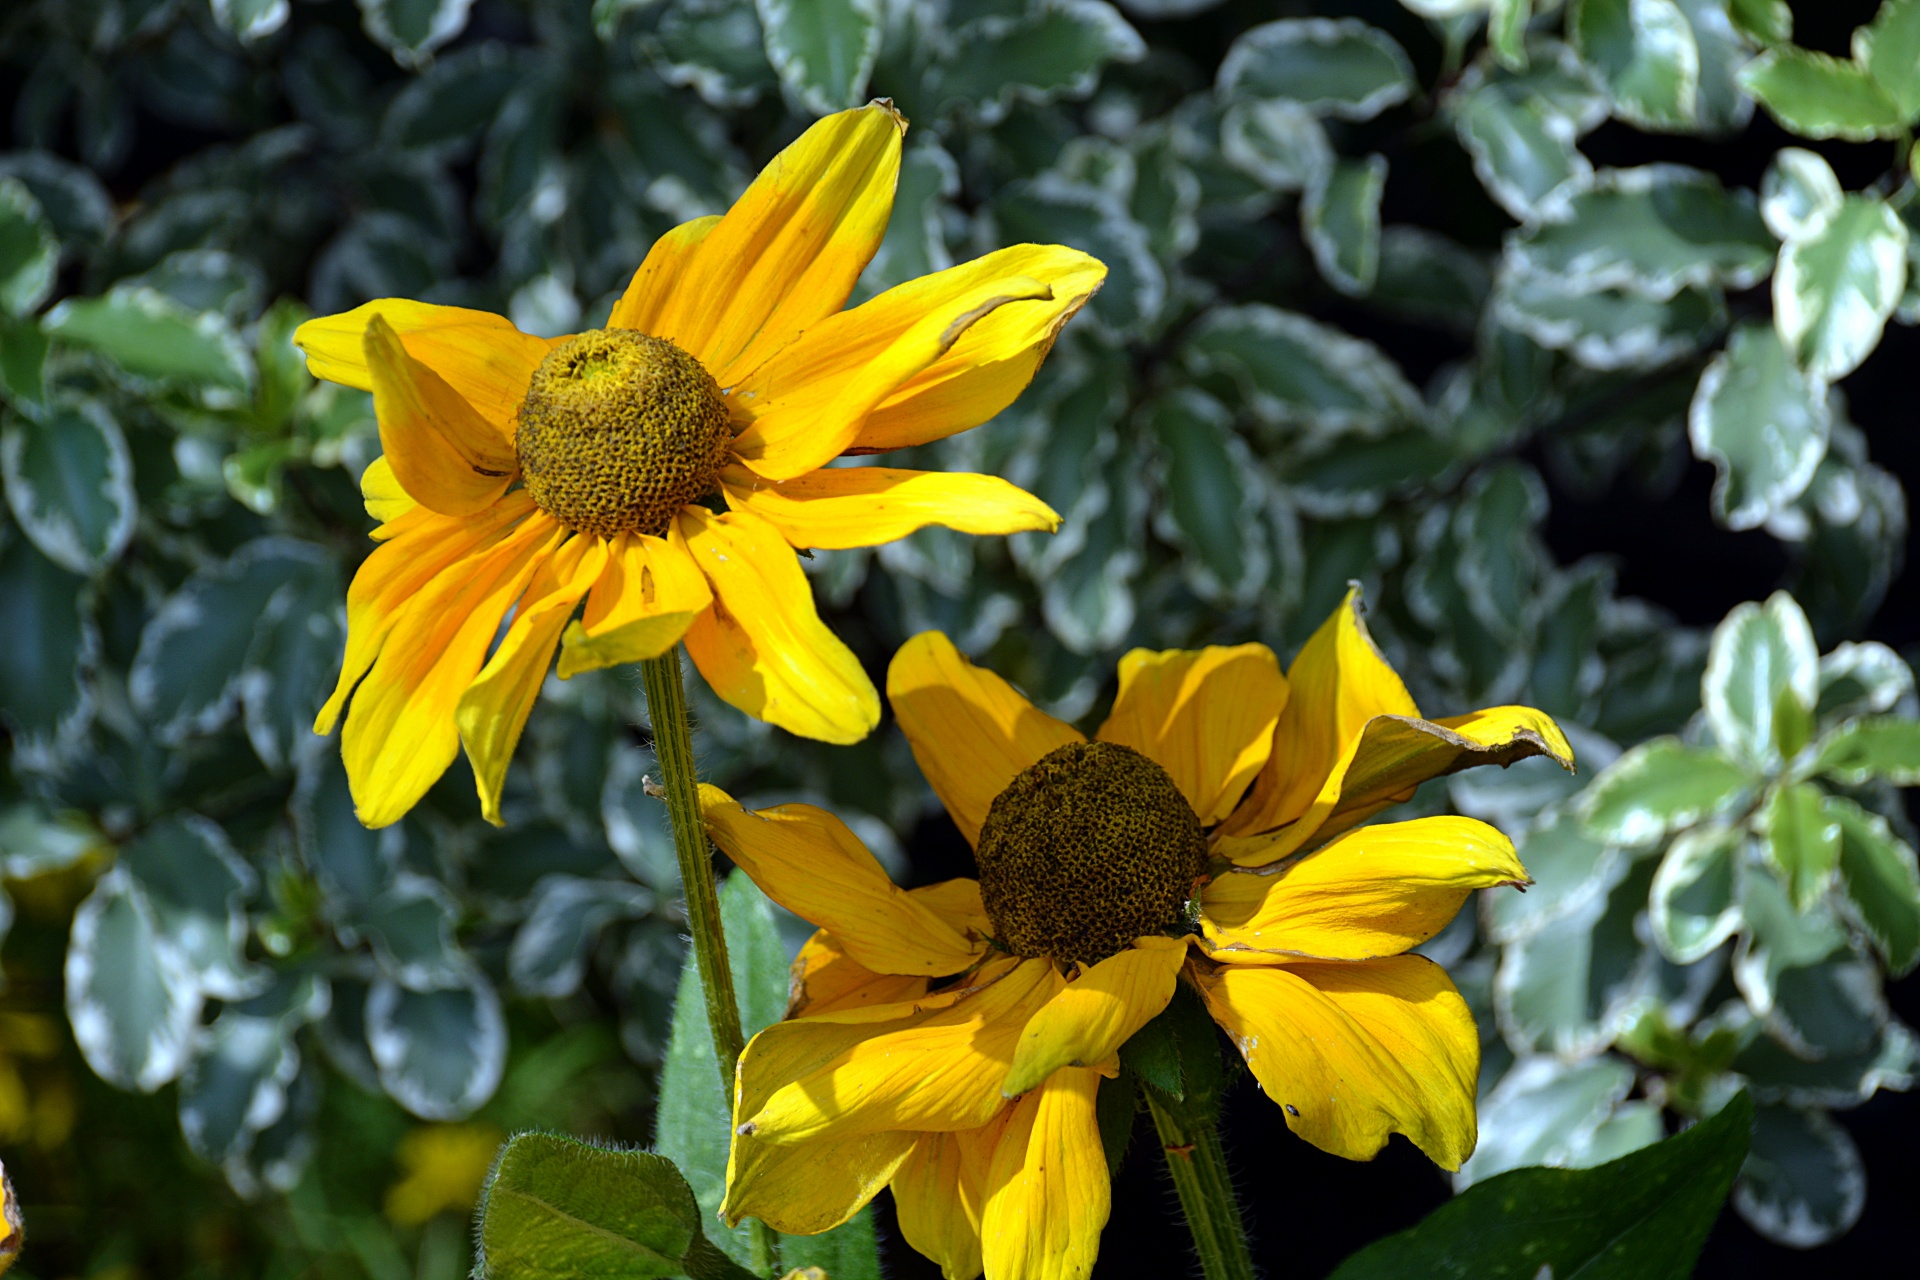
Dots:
(1087, 849)
(619, 431)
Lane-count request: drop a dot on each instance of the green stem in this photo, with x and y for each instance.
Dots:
(673, 745)
(1199, 1170)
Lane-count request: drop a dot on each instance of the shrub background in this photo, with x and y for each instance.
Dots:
(1389, 302)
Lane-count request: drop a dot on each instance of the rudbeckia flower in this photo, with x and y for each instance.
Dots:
(949, 1041)
(665, 468)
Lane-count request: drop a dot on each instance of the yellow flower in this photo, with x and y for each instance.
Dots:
(445, 1165)
(665, 468)
(949, 1041)
(13, 1230)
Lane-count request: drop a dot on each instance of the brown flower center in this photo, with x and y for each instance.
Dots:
(1088, 848)
(619, 431)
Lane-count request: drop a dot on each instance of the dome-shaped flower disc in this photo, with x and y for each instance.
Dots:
(934, 1045)
(665, 469)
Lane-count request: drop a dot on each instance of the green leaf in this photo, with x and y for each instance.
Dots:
(69, 480)
(1799, 194)
(1057, 51)
(1861, 679)
(29, 254)
(1643, 1216)
(1546, 1112)
(1656, 229)
(1341, 221)
(851, 1251)
(1762, 681)
(196, 888)
(1609, 329)
(452, 100)
(1834, 290)
(1694, 905)
(555, 1207)
(1280, 143)
(1658, 787)
(236, 1084)
(1178, 1053)
(823, 49)
(198, 649)
(1520, 129)
(251, 20)
(1803, 841)
(1569, 870)
(1882, 883)
(151, 336)
(1646, 53)
(1507, 31)
(23, 360)
(50, 642)
(1886, 747)
(1340, 67)
(1779, 939)
(1818, 96)
(1294, 370)
(1762, 423)
(1889, 48)
(1724, 107)
(693, 1126)
(1778, 1074)
(1804, 1182)
(1205, 493)
(440, 1053)
(1768, 21)
(412, 29)
(1570, 988)
(130, 994)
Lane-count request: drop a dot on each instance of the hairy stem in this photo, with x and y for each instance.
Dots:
(673, 746)
(1199, 1170)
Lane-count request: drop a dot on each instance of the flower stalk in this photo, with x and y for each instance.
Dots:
(673, 745)
(1199, 1170)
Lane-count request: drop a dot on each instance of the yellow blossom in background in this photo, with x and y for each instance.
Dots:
(13, 1230)
(949, 1041)
(443, 1168)
(36, 1104)
(664, 469)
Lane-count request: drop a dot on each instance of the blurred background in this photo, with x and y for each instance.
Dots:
(1531, 319)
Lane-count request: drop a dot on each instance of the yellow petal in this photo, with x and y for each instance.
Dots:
(810, 1187)
(400, 735)
(1355, 1051)
(939, 1194)
(381, 493)
(761, 646)
(494, 709)
(806, 860)
(825, 979)
(992, 363)
(958, 902)
(480, 355)
(397, 571)
(653, 285)
(1206, 716)
(1393, 755)
(970, 731)
(1336, 685)
(442, 452)
(938, 1071)
(1048, 1191)
(646, 598)
(788, 252)
(1094, 1014)
(1373, 892)
(802, 417)
(840, 507)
